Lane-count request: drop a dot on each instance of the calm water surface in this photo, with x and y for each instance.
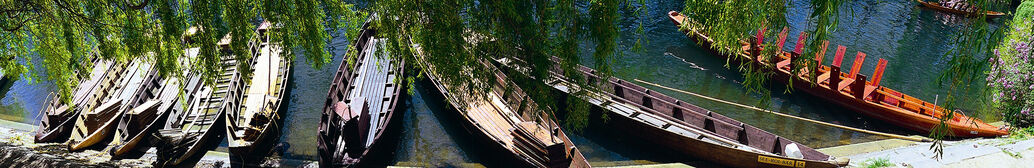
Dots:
(911, 39)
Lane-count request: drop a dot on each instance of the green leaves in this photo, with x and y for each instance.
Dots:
(67, 34)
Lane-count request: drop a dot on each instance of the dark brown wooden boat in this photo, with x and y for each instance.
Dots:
(687, 128)
(937, 6)
(97, 125)
(851, 90)
(254, 128)
(59, 118)
(361, 104)
(201, 125)
(504, 118)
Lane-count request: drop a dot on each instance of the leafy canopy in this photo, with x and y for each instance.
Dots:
(65, 36)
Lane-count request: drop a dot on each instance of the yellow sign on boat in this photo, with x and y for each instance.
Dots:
(781, 162)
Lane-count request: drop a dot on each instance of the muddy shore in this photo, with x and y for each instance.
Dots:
(18, 150)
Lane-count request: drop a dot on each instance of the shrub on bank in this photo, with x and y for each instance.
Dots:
(1010, 77)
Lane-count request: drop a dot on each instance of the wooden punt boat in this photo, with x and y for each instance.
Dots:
(254, 128)
(59, 118)
(134, 131)
(503, 117)
(687, 128)
(200, 125)
(361, 104)
(937, 6)
(852, 90)
(98, 124)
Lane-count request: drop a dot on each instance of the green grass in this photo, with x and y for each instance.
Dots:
(876, 163)
(1013, 154)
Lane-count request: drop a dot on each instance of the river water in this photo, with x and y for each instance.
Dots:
(912, 39)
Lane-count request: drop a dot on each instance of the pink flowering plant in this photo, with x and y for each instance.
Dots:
(1010, 78)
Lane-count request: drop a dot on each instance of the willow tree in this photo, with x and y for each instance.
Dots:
(67, 34)
(455, 35)
(729, 22)
(63, 36)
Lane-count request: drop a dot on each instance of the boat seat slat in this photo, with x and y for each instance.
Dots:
(821, 52)
(857, 65)
(877, 75)
(798, 49)
(782, 39)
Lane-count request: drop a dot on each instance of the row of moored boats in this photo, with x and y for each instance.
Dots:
(121, 105)
(127, 108)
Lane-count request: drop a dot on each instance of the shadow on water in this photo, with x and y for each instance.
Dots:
(434, 135)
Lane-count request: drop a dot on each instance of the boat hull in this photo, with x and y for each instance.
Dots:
(484, 135)
(249, 155)
(484, 140)
(246, 152)
(342, 90)
(199, 146)
(715, 153)
(380, 147)
(685, 128)
(56, 133)
(102, 133)
(936, 6)
(138, 141)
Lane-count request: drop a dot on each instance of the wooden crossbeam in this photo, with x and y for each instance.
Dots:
(839, 56)
(858, 59)
(878, 74)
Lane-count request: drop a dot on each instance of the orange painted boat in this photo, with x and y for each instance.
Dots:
(937, 6)
(850, 90)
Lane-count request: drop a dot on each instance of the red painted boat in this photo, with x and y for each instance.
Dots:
(850, 90)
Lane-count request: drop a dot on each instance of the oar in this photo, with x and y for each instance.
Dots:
(917, 139)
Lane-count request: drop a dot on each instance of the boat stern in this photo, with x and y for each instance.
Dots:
(676, 17)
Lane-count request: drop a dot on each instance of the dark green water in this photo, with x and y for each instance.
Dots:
(910, 38)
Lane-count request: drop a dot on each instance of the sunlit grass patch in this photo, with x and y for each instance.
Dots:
(876, 163)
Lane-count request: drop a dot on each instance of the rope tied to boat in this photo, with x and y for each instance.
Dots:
(896, 136)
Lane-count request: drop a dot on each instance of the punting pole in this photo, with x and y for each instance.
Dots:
(917, 139)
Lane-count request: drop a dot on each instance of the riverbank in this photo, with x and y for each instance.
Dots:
(18, 150)
(980, 152)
